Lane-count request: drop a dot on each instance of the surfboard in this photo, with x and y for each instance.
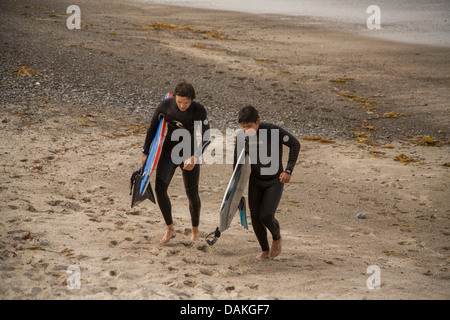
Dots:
(235, 190)
(233, 198)
(140, 180)
(154, 152)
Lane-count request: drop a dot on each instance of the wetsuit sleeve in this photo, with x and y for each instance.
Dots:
(294, 148)
(206, 134)
(151, 131)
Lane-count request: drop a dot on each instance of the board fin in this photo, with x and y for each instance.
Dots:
(243, 213)
(135, 183)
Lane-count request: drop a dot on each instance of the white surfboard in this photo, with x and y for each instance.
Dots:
(235, 191)
(233, 198)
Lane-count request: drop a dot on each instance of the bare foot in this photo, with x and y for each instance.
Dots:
(170, 234)
(194, 236)
(263, 255)
(275, 250)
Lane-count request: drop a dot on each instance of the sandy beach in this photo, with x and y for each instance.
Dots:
(370, 188)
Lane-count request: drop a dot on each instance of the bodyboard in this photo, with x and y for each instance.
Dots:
(140, 180)
(233, 198)
(235, 191)
(154, 153)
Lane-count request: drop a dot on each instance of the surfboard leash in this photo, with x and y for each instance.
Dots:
(213, 237)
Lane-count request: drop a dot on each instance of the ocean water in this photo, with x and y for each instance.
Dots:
(413, 21)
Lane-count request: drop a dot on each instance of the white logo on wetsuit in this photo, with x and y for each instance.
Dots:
(179, 124)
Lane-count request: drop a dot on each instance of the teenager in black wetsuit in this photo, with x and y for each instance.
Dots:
(180, 112)
(267, 178)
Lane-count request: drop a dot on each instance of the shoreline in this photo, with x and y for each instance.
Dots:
(348, 24)
(72, 134)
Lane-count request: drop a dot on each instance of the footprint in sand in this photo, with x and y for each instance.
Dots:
(190, 283)
(207, 272)
(172, 252)
(203, 247)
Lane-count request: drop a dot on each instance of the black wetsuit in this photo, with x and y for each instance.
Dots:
(177, 119)
(265, 188)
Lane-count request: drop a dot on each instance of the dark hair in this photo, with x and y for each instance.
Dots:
(184, 89)
(248, 114)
